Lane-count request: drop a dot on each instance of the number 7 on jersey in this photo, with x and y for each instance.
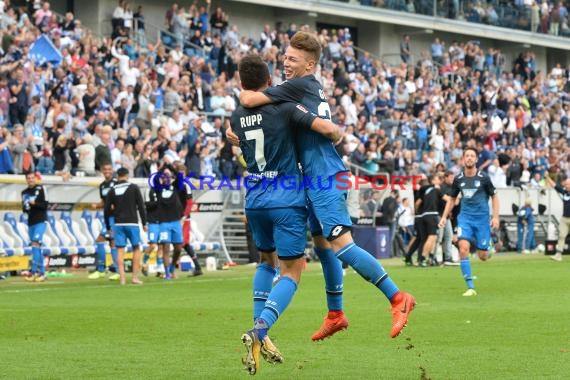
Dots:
(259, 138)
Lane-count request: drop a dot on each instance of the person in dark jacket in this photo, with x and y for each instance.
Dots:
(126, 203)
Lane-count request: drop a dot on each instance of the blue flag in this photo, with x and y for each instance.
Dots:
(44, 51)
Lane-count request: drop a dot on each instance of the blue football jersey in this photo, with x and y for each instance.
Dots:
(316, 153)
(267, 140)
(475, 193)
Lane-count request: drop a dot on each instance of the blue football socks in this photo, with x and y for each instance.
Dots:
(279, 298)
(262, 284)
(466, 271)
(39, 259)
(368, 267)
(334, 281)
(100, 251)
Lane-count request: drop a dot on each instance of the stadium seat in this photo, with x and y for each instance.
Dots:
(86, 225)
(98, 222)
(84, 243)
(18, 233)
(10, 219)
(18, 230)
(8, 243)
(49, 242)
(63, 242)
(197, 240)
(168, 40)
(206, 246)
(60, 230)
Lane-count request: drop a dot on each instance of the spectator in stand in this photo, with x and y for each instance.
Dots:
(437, 49)
(86, 156)
(405, 50)
(22, 149)
(485, 157)
(19, 91)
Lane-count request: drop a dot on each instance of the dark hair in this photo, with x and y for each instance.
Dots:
(253, 72)
(122, 172)
(472, 149)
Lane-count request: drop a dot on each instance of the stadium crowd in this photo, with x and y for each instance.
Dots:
(135, 104)
(546, 17)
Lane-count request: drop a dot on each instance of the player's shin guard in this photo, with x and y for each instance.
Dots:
(100, 251)
(190, 251)
(39, 259)
(332, 271)
(34, 262)
(279, 298)
(466, 271)
(368, 267)
(262, 284)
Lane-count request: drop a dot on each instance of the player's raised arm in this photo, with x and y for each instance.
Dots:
(251, 99)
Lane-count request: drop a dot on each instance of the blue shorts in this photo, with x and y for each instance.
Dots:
(36, 232)
(170, 232)
(104, 227)
(153, 232)
(124, 232)
(281, 229)
(475, 229)
(327, 207)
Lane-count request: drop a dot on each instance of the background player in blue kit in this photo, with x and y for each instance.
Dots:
(153, 232)
(275, 203)
(35, 204)
(473, 221)
(328, 212)
(105, 235)
(170, 212)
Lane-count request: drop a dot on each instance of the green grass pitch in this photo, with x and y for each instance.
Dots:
(518, 327)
